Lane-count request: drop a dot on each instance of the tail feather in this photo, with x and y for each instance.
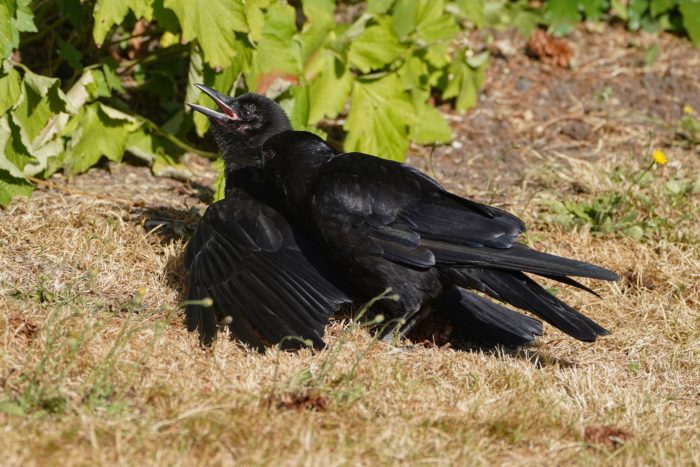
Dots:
(522, 292)
(571, 282)
(487, 321)
(517, 258)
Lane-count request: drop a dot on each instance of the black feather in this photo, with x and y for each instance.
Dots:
(486, 321)
(522, 292)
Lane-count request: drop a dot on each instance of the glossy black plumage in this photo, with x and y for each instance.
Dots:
(263, 274)
(381, 225)
(385, 224)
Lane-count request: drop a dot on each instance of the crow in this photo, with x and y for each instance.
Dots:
(248, 263)
(384, 225)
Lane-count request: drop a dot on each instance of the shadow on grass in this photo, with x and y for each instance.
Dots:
(170, 225)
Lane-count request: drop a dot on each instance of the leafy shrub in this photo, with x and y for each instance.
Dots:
(560, 16)
(123, 88)
(85, 79)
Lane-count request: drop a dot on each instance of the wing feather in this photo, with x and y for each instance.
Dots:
(244, 255)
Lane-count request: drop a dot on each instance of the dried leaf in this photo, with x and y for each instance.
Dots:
(551, 50)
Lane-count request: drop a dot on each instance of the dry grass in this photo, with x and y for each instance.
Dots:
(96, 367)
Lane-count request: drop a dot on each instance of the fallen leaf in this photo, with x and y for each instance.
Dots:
(311, 400)
(606, 435)
(548, 49)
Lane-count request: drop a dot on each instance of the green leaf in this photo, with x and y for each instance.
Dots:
(9, 36)
(376, 47)
(10, 187)
(690, 10)
(318, 30)
(652, 54)
(10, 88)
(676, 187)
(277, 56)
(95, 85)
(16, 155)
(103, 131)
(70, 54)
(220, 182)
(561, 15)
(593, 9)
(431, 24)
(635, 231)
(527, 21)
(152, 147)
(329, 89)
(21, 160)
(379, 7)
(431, 127)
(619, 8)
(212, 23)
(15, 16)
(379, 119)
(465, 81)
(109, 68)
(73, 10)
(316, 8)
(404, 17)
(438, 55)
(478, 60)
(107, 13)
(413, 73)
(255, 17)
(658, 7)
(473, 10)
(25, 16)
(299, 111)
(635, 11)
(40, 99)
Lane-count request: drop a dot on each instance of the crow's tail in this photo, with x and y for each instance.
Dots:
(516, 289)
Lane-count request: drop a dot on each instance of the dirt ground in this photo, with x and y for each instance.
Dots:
(96, 366)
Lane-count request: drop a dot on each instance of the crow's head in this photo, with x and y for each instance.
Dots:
(243, 124)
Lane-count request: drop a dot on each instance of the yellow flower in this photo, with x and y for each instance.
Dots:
(659, 157)
(688, 110)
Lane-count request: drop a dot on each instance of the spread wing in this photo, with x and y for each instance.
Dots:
(259, 271)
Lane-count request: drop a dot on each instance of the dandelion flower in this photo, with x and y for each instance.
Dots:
(688, 110)
(659, 157)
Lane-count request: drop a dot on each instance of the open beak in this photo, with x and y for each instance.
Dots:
(227, 113)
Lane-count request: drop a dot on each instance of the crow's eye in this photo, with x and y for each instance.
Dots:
(248, 110)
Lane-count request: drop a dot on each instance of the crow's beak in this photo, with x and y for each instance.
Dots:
(227, 113)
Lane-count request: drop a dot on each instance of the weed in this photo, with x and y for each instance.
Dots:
(631, 211)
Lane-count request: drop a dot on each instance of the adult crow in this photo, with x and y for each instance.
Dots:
(262, 274)
(386, 225)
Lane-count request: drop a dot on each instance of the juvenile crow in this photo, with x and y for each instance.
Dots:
(383, 224)
(263, 274)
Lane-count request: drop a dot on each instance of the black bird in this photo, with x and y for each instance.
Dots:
(386, 225)
(261, 273)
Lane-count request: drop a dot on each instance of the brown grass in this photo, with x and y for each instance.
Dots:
(96, 366)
